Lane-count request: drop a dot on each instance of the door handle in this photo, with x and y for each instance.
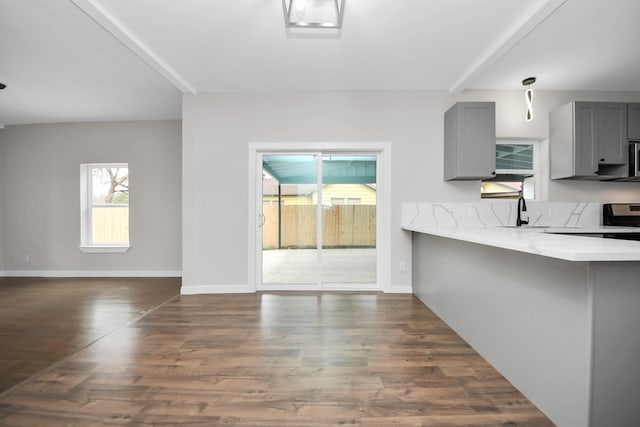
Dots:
(262, 220)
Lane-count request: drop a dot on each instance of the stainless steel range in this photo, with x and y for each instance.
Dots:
(621, 215)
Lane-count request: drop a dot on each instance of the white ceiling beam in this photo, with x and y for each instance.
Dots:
(110, 23)
(518, 31)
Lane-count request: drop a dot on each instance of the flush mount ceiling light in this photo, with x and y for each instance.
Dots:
(528, 95)
(313, 13)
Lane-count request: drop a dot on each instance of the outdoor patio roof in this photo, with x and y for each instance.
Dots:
(301, 169)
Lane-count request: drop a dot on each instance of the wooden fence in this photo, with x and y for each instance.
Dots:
(110, 225)
(342, 226)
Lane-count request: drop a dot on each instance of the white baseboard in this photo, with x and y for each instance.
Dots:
(85, 273)
(401, 289)
(246, 289)
(216, 289)
(314, 288)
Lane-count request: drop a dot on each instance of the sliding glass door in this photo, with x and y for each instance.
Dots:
(348, 219)
(289, 219)
(318, 221)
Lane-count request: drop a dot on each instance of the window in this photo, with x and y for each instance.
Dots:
(105, 207)
(515, 174)
(345, 201)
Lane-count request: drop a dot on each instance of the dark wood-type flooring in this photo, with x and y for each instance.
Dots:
(45, 320)
(279, 360)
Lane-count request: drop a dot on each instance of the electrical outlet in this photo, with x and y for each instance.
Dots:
(402, 266)
(27, 258)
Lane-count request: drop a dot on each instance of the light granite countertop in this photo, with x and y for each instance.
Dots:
(543, 241)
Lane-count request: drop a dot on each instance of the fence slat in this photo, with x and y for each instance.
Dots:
(343, 226)
(110, 225)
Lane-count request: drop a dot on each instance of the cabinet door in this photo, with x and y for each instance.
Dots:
(470, 141)
(477, 127)
(633, 128)
(585, 143)
(612, 133)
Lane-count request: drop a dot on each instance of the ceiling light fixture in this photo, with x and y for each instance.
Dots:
(2, 86)
(313, 13)
(528, 96)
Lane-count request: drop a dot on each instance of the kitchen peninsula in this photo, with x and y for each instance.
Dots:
(556, 314)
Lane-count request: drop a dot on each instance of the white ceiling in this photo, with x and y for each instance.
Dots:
(94, 60)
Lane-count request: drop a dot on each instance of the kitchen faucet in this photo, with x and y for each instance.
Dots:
(522, 207)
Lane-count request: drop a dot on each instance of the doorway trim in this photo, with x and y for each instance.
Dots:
(383, 221)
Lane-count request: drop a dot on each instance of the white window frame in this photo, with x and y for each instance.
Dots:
(535, 172)
(383, 203)
(86, 220)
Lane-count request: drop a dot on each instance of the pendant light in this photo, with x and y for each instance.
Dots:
(528, 96)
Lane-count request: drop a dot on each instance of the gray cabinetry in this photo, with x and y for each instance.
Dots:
(633, 129)
(588, 140)
(612, 133)
(470, 141)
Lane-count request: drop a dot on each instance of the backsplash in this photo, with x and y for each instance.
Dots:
(491, 213)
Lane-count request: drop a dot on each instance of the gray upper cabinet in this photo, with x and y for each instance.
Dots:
(633, 128)
(612, 133)
(588, 140)
(470, 141)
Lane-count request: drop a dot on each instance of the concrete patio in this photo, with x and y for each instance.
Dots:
(339, 266)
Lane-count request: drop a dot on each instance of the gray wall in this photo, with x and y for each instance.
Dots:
(39, 207)
(40, 203)
(219, 127)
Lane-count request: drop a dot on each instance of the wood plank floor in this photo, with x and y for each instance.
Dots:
(45, 320)
(285, 359)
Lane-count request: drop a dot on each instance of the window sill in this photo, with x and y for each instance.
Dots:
(104, 249)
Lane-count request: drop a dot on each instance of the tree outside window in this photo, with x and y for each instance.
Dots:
(110, 185)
